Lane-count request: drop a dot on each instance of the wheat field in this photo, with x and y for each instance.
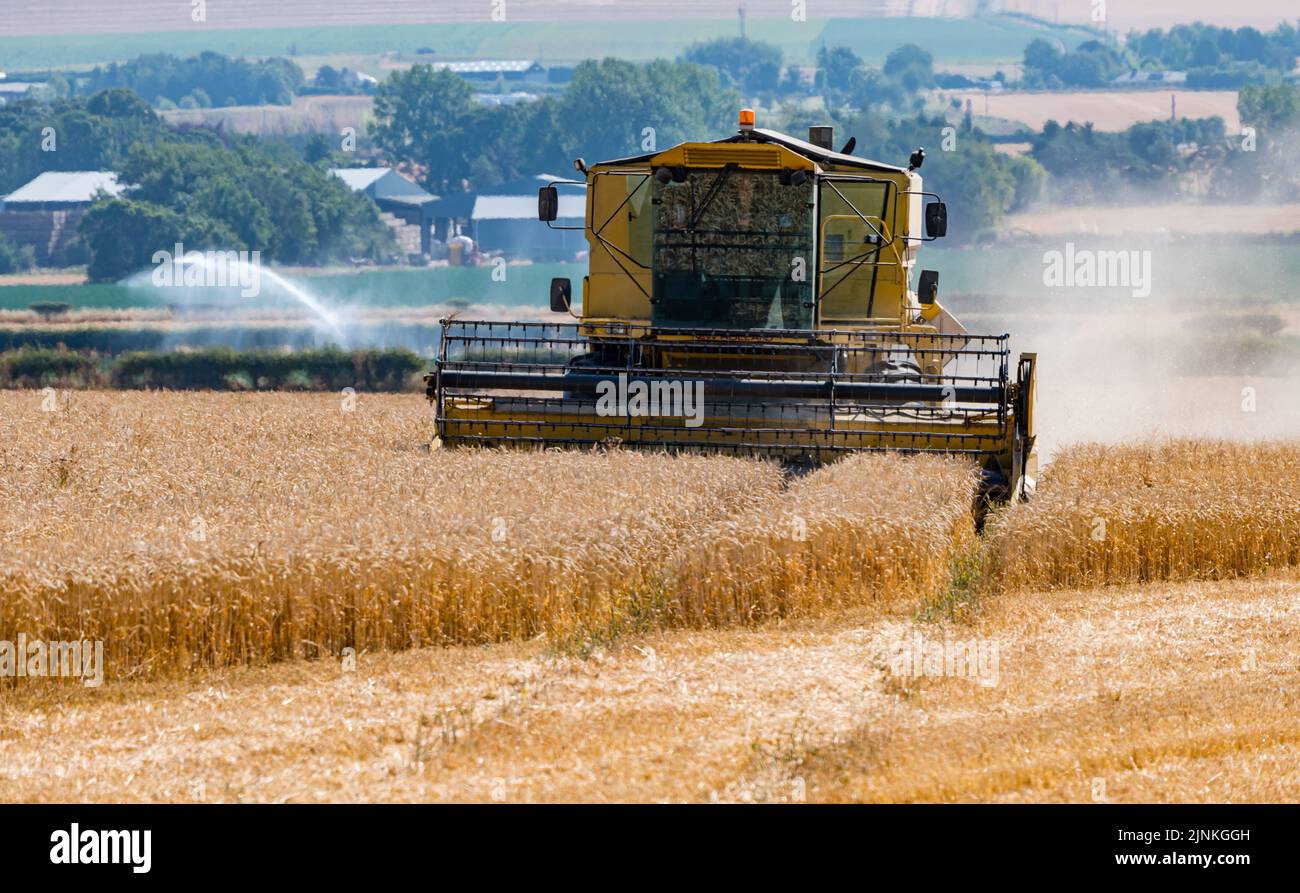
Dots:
(1170, 510)
(869, 527)
(656, 628)
(204, 530)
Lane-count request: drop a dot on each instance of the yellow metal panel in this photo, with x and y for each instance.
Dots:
(755, 156)
(719, 156)
(467, 421)
(618, 232)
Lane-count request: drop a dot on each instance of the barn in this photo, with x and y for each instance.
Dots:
(45, 212)
(403, 204)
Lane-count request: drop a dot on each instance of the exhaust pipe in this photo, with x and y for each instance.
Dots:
(822, 136)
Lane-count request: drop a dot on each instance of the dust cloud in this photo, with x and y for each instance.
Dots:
(1114, 368)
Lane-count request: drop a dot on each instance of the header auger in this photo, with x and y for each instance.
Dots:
(750, 295)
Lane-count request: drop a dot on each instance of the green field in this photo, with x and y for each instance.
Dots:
(526, 285)
(987, 40)
(1190, 271)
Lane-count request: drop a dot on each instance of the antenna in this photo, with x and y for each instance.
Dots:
(741, 12)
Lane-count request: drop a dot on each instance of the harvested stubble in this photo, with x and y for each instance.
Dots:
(869, 527)
(1172, 510)
(190, 530)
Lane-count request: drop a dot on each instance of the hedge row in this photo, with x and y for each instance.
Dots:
(216, 368)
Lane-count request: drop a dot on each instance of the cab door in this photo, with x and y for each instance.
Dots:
(860, 257)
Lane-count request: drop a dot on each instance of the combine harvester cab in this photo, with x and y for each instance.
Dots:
(751, 296)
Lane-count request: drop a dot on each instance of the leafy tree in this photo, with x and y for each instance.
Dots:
(873, 89)
(1092, 64)
(244, 195)
(317, 148)
(1270, 171)
(1232, 76)
(236, 81)
(88, 134)
(1268, 108)
(911, 66)
(751, 65)
(421, 117)
(122, 104)
(979, 183)
(244, 214)
(610, 104)
(123, 236)
(287, 209)
(518, 141)
(836, 66)
(14, 259)
(328, 77)
(1218, 56)
(792, 81)
(1207, 53)
(1040, 55)
(1087, 165)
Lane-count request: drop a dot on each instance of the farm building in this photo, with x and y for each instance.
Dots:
(492, 69)
(507, 222)
(1151, 79)
(503, 219)
(12, 91)
(493, 100)
(45, 212)
(403, 204)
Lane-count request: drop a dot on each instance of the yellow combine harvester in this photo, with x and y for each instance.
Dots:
(750, 295)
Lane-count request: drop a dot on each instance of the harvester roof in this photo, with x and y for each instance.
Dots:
(794, 144)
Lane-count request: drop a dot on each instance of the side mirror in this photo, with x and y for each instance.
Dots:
(936, 220)
(548, 203)
(927, 290)
(561, 294)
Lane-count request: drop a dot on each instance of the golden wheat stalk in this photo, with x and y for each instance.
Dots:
(1175, 510)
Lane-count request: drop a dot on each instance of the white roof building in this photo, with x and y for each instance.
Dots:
(64, 188)
(382, 183)
(524, 207)
(486, 67)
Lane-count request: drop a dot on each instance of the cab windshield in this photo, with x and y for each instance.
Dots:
(733, 249)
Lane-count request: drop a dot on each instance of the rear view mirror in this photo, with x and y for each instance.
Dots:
(936, 220)
(548, 203)
(927, 290)
(561, 293)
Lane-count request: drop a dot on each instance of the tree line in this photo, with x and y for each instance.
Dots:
(198, 186)
(1210, 55)
(202, 81)
(1168, 159)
